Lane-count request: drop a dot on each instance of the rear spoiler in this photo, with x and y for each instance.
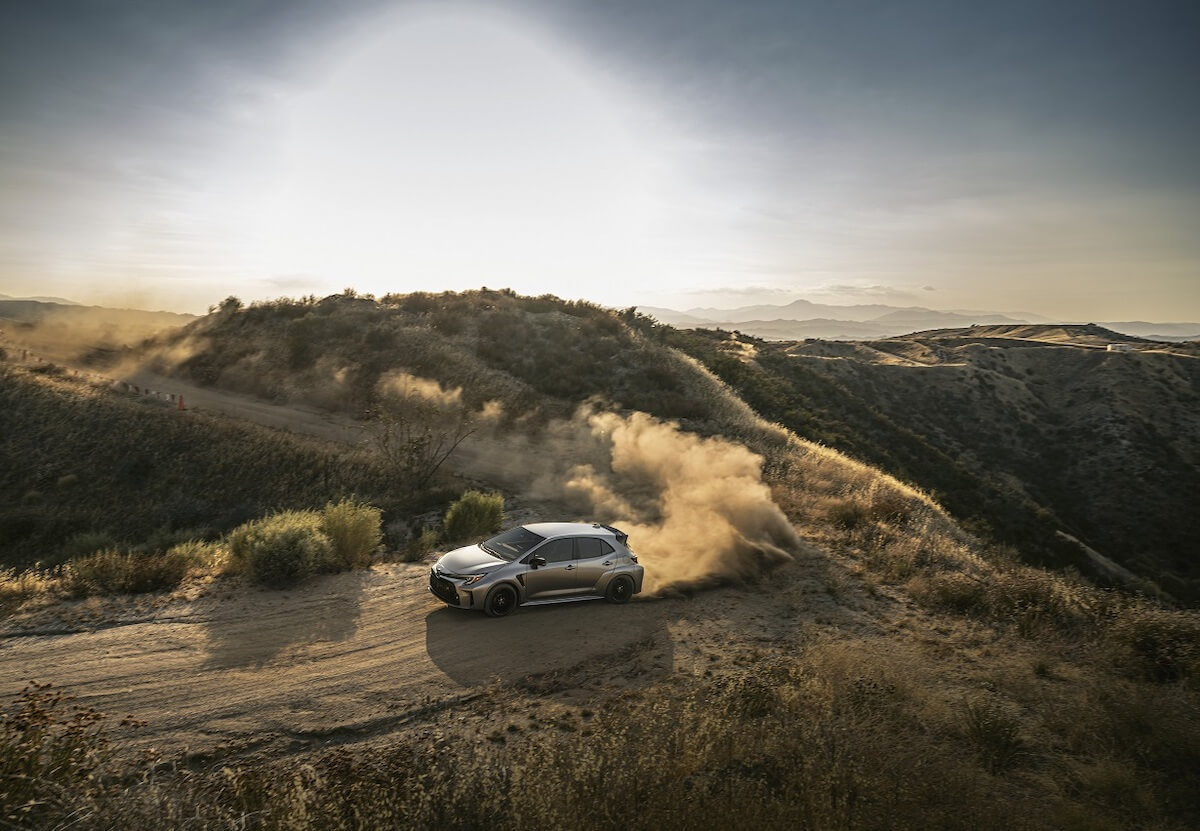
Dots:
(621, 536)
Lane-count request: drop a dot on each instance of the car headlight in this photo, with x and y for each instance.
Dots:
(473, 579)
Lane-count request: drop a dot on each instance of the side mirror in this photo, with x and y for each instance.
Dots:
(537, 562)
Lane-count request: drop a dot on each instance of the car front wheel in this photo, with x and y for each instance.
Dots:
(619, 590)
(500, 601)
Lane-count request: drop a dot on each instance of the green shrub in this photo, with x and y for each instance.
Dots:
(889, 505)
(281, 549)
(199, 552)
(353, 532)
(474, 515)
(1032, 600)
(116, 572)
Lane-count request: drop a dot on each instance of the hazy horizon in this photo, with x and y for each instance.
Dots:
(1033, 157)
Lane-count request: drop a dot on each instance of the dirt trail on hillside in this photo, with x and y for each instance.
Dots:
(479, 457)
(294, 417)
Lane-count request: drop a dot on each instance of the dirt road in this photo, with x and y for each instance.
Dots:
(357, 653)
(230, 669)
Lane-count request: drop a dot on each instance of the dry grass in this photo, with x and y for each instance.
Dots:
(117, 572)
(18, 587)
(844, 734)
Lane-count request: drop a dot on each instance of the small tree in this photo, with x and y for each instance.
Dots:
(415, 433)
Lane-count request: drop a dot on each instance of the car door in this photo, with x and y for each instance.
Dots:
(557, 577)
(594, 558)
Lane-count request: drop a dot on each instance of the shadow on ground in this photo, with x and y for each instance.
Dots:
(472, 648)
(325, 610)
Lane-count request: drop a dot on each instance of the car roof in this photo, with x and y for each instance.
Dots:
(550, 530)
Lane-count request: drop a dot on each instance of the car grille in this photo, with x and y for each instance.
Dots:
(443, 589)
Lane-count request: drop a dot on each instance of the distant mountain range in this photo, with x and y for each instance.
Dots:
(62, 301)
(803, 319)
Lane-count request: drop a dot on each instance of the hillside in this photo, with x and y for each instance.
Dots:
(1021, 431)
(824, 647)
(536, 358)
(81, 464)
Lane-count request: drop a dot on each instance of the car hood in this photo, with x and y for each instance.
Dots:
(469, 560)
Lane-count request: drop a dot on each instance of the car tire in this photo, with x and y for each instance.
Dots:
(500, 601)
(619, 590)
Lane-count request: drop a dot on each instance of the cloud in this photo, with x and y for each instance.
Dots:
(875, 292)
(740, 291)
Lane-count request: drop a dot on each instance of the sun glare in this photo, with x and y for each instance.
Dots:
(454, 150)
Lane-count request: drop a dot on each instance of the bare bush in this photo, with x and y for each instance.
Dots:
(51, 752)
(417, 426)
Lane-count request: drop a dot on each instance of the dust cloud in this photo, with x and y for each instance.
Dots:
(96, 336)
(696, 509)
(404, 386)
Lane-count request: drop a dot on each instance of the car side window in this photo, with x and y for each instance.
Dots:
(588, 548)
(557, 551)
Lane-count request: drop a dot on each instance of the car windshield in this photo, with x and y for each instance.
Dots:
(512, 543)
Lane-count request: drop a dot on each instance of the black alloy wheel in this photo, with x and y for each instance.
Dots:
(619, 590)
(500, 601)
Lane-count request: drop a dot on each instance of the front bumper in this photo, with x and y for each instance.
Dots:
(443, 589)
(450, 592)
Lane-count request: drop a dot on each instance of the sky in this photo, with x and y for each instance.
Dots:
(1018, 156)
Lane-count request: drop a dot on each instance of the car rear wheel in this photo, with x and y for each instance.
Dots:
(500, 601)
(619, 590)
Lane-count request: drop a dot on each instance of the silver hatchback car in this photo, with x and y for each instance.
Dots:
(544, 562)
